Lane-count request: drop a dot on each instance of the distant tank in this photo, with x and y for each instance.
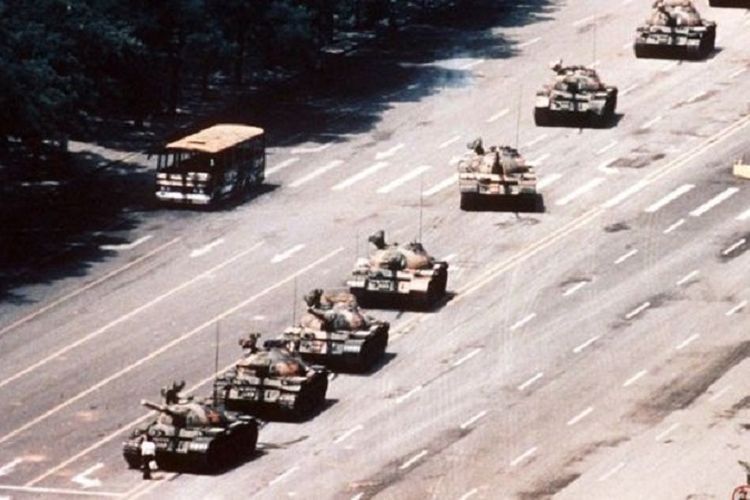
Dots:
(405, 275)
(271, 382)
(675, 30)
(193, 435)
(337, 334)
(576, 95)
(730, 3)
(496, 173)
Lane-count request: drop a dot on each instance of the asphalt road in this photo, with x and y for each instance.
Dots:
(596, 350)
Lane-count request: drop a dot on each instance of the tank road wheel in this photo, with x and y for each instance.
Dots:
(542, 117)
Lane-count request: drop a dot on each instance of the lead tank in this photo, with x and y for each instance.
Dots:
(400, 275)
(272, 382)
(193, 435)
(576, 95)
(675, 30)
(499, 173)
(335, 333)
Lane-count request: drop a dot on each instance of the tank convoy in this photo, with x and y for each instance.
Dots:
(496, 173)
(399, 275)
(675, 29)
(271, 382)
(334, 332)
(577, 96)
(193, 434)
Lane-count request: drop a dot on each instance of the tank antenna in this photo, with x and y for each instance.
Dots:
(518, 115)
(421, 201)
(216, 357)
(294, 303)
(593, 61)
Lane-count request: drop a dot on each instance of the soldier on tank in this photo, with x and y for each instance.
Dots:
(171, 394)
(250, 344)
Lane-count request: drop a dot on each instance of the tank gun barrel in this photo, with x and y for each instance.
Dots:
(156, 407)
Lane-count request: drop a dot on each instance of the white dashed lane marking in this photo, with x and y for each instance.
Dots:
(526, 454)
(316, 173)
(198, 252)
(734, 246)
(674, 226)
(715, 201)
(281, 166)
(736, 308)
(668, 431)
(684, 189)
(580, 191)
(382, 155)
(530, 381)
(498, 115)
(632, 380)
(416, 458)
(127, 246)
(529, 43)
(442, 185)
(585, 413)
(403, 179)
(450, 141)
(287, 254)
(361, 175)
(688, 277)
(473, 419)
(626, 256)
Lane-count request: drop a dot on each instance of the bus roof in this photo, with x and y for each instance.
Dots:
(216, 138)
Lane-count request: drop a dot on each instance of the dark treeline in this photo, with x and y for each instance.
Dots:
(64, 62)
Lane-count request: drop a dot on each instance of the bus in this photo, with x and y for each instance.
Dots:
(212, 165)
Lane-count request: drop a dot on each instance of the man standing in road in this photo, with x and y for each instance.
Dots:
(148, 456)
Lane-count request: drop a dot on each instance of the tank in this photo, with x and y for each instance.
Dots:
(272, 382)
(675, 30)
(193, 435)
(576, 96)
(399, 275)
(496, 173)
(334, 332)
(730, 3)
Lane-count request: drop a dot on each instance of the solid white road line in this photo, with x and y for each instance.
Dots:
(625, 194)
(651, 122)
(535, 141)
(206, 248)
(687, 342)
(684, 189)
(614, 470)
(281, 166)
(628, 90)
(580, 191)
(79, 291)
(498, 115)
(280, 257)
(622, 258)
(467, 357)
(734, 246)
(605, 167)
(583, 346)
(674, 226)
(664, 434)
(155, 352)
(313, 149)
(469, 494)
(413, 460)
(316, 173)
(632, 380)
(6, 469)
(473, 419)
(382, 155)
(283, 475)
(450, 141)
(59, 491)
(442, 185)
(744, 215)
(736, 308)
(638, 310)
(88, 482)
(522, 322)
(716, 200)
(529, 382)
(409, 394)
(720, 393)
(126, 246)
(548, 180)
(362, 174)
(528, 43)
(348, 434)
(580, 416)
(688, 277)
(403, 179)
(573, 289)
(607, 147)
(538, 161)
(523, 456)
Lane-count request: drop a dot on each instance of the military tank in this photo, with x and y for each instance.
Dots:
(576, 95)
(401, 275)
(676, 30)
(337, 334)
(193, 435)
(498, 173)
(272, 382)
